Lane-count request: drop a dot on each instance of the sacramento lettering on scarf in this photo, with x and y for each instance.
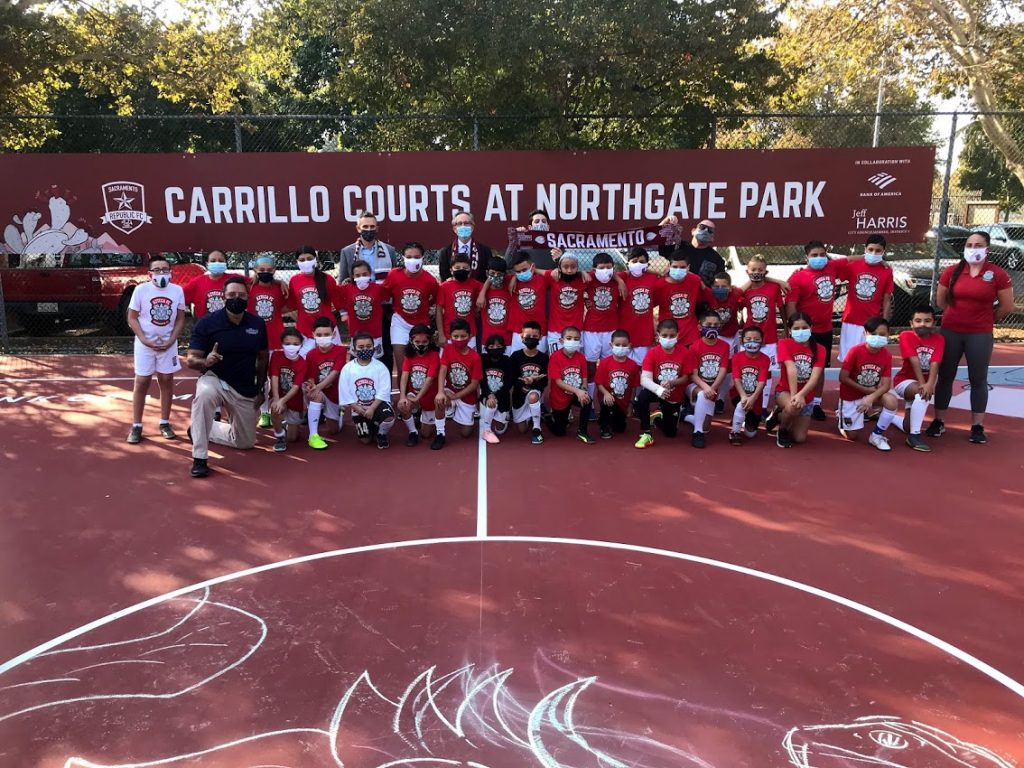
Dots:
(649, 237)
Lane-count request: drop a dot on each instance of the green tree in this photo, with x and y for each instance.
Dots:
(983, 169)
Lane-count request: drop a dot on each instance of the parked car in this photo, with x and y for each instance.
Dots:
(1008, 235)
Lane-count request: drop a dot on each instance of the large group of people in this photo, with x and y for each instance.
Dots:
(536, 342)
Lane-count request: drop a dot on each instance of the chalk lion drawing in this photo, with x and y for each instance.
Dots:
(887, 741)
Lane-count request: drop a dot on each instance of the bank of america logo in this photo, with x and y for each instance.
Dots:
(882, 180)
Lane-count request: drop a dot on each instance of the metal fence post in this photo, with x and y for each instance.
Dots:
(4, 341)
(943, 206)
(476, 133)
(238, 134)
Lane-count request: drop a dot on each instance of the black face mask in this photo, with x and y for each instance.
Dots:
(265, 277)
(569, 278)
(236, 306)
(461, 275)
(369, 235)
(496, 352)
(531, 343)
(421, 348)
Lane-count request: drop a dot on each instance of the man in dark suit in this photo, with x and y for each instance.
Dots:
(479, 254)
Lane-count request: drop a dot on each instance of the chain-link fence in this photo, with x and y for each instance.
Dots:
(88, 293)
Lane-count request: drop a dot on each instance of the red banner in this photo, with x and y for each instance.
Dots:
(257, 202)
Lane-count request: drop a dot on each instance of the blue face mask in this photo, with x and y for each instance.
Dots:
(366, 355)
(801, 335)
(524, 276)
(216, 268)
(720, 293)
(874, 258)
(752, 346)
(678, 273)
(817, 262)
(464, 231)
(876, 342)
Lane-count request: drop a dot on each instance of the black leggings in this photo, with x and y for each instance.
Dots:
(977, 348)
(612, 417)
(669, 422)
(559, 423)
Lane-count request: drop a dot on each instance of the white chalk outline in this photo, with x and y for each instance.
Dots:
(948, 648)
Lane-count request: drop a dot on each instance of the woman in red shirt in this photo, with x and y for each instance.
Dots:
(968, 293)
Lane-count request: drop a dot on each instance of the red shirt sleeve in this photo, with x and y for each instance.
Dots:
(1002, 280)
(819, 358)
(476, 370)
(852, 359)
(907, 346)
(946, 275)
(649, 360)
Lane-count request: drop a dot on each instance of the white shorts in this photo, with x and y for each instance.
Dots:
(597, 345)
(772, 351)
(308, 343)
(900, 390)
(849, 417)
(517, 343)
(850, 335)
(149, 361)
(293, 418)
(331, 411)
(463, 413)
(638, 354)
(399, 330)
(427, 417)
(378, 348)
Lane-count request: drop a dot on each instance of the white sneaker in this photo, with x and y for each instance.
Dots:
(879, 442)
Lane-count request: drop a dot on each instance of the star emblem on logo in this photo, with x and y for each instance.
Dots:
(124, 201)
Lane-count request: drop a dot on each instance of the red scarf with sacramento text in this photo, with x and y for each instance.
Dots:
(474, 253)
(648, 237)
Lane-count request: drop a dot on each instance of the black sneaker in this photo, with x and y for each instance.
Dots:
(413, 439)
(537, 437)
(783, 439)
(818, 414)
(719, 407)
(280, 444)
(200, 468)
(188, 432)
(771, 422)
(438, 443)
(606, 433)
(382, 441)
(915, 442)
(584, 438)
(735, 438)
(751, 422)
(978, 434)
(135, 436)
(936, 429)
(698, 440)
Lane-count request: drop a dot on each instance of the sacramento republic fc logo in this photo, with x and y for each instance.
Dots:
(125, 205)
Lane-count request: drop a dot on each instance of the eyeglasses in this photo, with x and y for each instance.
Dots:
(705, 228)
(160, 271)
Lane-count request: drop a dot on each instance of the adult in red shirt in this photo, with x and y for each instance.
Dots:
(456, 300)
(418, 385)
(363, 300)
(413, 295)
(869, 294)
(616, 379)
(636, 313)
(679, 297)
(663, 378)
(312, 292)
(530, 289)
(812, 292)
(802, 360)
(922, 349)
(205, 292)
(974, 294)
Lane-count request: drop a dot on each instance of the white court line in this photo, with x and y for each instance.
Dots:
(481, 489)
(948, 648)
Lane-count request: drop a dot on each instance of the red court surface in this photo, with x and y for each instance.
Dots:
(560, 605)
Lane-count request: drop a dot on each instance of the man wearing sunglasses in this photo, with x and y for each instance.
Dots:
(704, 260)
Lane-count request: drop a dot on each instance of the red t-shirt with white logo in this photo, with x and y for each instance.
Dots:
(814, 292)
(620, 377)
(972, 310)
(302, 295)
(602, 301)
(571, 370)
(867, 367)
(728, 309)
(763, 304)
(748, 371)
(205, 293)
(666, 366)
(566, 303)
(412, 295)
(420, 368)
(708, 359)
(498, 315)
(458, 302)
(869, 285)
(267, 302)
(462, 369)
(800, 355)
(320, 364)
(927, 349)
(680, 301)
(531, 301)
(289, 374)
(636, 313)
(365, 307)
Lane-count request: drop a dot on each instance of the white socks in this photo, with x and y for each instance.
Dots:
(766, 397)
(386, 426)
(535, 414)
(440, 426)
(313, 418)
(701, 410)
(486, 418)
(410, 424)
(738, 416)
(918, 408)
(885, 419)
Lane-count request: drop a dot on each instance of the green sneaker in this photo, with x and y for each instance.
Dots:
(166, 432)
(265, 422)
(317, 443)
(135, 436)
(645, 441)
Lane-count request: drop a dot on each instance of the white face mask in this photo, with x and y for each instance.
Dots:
(291, 351)
(540, 226)
(975, 255)
(323, 341)
(362, 283)
(620, 351)
(637, 268)
(668, 344)
(604, 274)
(307, 267)
(571, 345)
(413, 265)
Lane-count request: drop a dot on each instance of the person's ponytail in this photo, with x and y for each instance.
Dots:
(957, 271)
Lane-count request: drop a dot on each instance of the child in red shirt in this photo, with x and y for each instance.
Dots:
(312, 292)
(663, 380)
(460, 374)
(205, 293)
(362, 299)
(497, 308)
(803, 365)
(530, 290)
(323, 365)
(456, 299)
(921, 348)
(287, 372)
(865, 379)
(268, 301)
(567, 372)
(603, 296)
(418, 383)
(636, 313)
(750, 375)
(765, 305)
(709, 361)
(679, 296)
(727, 301)
(617, 377)
(413, 295)
(567, 299)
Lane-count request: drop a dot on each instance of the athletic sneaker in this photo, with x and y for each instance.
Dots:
(751, 422)
(490, 437)
(167, 432)
(645, 441)
(915, 442)
(879, 441)
(771, 422)
(317, 443)
(199, 468)
(135, 436)
(783, 439)
(382, 441)
(655, 415)
(699, 440)
(719, 407)
(265, 422)
(413, 439)
(936, 429)
(818, 414)
(978, 434)
(438, 443)
(584, 438)
(537, 437)
(280, 444)
(735, 438)
(606, 433)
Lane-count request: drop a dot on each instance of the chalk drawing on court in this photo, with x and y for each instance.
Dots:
(201, 641)
(886, 741)
(460, 718)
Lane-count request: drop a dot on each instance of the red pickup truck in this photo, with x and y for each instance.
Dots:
(83, 286)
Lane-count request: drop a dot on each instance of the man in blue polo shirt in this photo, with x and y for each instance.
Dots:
(229, 348)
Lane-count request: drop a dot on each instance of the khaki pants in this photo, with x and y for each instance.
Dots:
(240, 429)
